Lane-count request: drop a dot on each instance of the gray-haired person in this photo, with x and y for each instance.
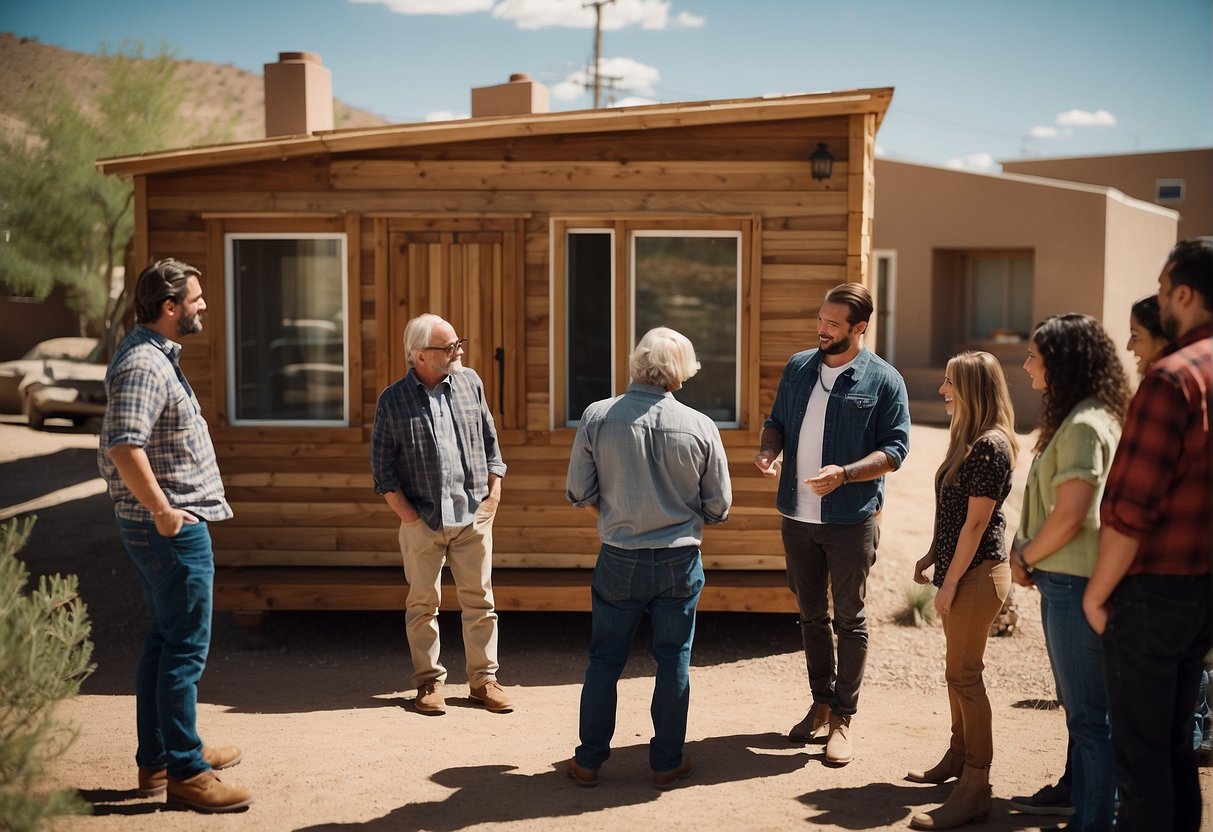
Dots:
(436, 461)
(653, 471)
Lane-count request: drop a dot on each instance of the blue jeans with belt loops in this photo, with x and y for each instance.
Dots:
(627, 583)
(177, 575)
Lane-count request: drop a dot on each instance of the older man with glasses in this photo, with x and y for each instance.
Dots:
(436, 460)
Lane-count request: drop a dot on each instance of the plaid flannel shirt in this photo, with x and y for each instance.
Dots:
(1158, 488)
(404, 450)
(150, 405)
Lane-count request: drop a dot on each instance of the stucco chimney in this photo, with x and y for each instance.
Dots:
(298, 95)
(518, 97)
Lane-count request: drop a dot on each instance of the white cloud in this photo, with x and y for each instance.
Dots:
(445, 115)
(432, 6)
(880, 151)
(1086, 118)
(974, 161)
(634, 101)
(1044, 132)
(625, 74)
(542, 14)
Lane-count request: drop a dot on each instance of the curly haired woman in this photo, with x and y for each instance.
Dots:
(969, 555)
(1076, 365)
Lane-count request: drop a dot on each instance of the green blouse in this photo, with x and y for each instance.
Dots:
(1082, 448)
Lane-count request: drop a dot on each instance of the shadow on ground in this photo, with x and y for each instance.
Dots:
(324, 660)
(496, 794)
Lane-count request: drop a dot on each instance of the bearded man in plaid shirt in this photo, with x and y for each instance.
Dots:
(156, 455)
(1149, 596)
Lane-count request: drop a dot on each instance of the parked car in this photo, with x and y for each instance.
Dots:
(13, 372)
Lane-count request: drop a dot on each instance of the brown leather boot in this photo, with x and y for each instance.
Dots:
(205, 792)
(153, 781)
(817, 718)
(969, 802)
(947, 768)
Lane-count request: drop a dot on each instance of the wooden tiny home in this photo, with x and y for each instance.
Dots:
(551, 241)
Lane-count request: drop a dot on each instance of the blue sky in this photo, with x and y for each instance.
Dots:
(976, 81)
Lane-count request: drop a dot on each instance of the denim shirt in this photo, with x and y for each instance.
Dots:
(655, 468)
(869, 410)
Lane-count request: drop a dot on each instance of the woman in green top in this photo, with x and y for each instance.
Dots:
(1075, 364)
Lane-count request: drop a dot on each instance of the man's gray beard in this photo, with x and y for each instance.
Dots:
(455, 367)
(189, 326)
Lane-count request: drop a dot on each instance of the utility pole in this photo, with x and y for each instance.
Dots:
(597, 70)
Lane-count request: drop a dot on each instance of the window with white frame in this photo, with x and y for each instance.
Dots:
(287, 352)
(685, 279)
(1168, 191)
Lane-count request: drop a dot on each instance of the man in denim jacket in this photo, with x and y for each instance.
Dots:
(841, 419)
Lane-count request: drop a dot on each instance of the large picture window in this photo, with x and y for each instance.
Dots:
(288, 359)
(1000, 297)
(687, 279)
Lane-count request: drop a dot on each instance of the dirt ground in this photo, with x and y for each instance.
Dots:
(320, 701)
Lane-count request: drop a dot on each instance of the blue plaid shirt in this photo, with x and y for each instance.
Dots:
(404, 446)
(150, 405)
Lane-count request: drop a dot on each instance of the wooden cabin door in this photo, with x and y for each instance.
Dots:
(458, 275)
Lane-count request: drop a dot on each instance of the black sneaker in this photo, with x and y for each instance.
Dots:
(1048, 800)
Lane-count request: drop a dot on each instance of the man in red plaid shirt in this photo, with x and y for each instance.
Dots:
(1150, 594)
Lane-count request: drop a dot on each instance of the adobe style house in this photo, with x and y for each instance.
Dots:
(551, 241)
(965, 260)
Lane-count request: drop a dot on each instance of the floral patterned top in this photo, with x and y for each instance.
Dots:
(986, 472)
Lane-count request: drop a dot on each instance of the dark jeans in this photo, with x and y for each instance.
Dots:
(1158, 633)
(177, 575)
(628, 582)
(820, 556)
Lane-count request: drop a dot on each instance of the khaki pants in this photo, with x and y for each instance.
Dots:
(979, 597)
(469, 552)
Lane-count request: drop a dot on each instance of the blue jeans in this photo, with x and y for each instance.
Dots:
(628, 582)
(1077, 659)
(177, 575)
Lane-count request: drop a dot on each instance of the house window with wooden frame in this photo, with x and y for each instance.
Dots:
(621, 280)
(998, 287)
(287, 351)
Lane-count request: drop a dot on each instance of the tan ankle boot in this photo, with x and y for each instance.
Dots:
(207, 793)
(817, 718)
(839, 750)
(969, 802)
(947, 768)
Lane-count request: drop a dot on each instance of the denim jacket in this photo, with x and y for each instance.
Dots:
(869, 410)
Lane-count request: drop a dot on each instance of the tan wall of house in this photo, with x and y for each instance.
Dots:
(1093, 251)
(1136, 175)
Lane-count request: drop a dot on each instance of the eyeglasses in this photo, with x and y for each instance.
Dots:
(450, 349)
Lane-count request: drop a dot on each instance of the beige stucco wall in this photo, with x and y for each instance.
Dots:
(1136, 175)
(1094, 251)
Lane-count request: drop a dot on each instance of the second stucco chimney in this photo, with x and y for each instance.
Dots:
(518, 97)
(298, 95)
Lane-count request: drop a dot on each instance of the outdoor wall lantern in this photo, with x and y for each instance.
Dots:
(822, 161)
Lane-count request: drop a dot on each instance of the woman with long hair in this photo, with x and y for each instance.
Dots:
(1085, 395)
(969, 555)
(1146, 338)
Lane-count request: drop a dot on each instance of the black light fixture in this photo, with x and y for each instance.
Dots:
(822, 161)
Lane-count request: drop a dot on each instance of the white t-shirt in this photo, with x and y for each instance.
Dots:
(808, 451)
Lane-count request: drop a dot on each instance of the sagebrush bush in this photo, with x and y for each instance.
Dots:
(919, 606)
(44, 656)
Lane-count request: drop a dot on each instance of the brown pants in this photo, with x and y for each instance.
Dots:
(979, 597)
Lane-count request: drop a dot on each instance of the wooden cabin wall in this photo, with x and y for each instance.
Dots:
(304, 496)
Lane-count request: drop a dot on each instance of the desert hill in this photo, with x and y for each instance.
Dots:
(214, 94)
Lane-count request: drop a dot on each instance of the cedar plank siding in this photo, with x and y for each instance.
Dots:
(305, 508)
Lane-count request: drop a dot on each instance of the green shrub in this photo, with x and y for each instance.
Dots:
(919, 608)
(44, 656)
